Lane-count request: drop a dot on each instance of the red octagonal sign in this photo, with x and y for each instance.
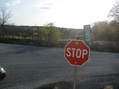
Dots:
(76, 52)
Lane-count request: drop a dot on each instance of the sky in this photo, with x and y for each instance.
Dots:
(63, 13)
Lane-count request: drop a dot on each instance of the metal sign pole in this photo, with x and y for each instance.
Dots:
(75, 77)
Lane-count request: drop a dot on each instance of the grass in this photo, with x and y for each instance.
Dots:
(108, 87)
(105, 46)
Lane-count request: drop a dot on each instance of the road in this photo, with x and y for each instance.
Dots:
(29, 67)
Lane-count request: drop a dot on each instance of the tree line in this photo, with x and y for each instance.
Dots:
(105, 31)
(47, 35)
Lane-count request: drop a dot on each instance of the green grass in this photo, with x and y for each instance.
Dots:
(105, 46)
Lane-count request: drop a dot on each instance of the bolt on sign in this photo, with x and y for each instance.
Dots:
(76, 52)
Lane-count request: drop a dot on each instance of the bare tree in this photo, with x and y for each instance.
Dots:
(114, 12)
(5, 15)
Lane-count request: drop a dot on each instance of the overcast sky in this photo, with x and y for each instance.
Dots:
(63, 13)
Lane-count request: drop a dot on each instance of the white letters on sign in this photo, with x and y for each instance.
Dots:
(73, 52)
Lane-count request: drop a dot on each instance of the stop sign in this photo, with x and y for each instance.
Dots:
(76, 52)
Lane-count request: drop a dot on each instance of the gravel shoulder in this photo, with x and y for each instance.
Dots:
(110, 81)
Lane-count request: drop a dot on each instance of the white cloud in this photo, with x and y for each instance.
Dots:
(43, 6)
(13, 2)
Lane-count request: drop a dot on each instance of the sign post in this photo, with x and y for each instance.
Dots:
(76, 53)
(75, 77)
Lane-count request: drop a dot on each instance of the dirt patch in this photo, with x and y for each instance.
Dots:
(110, 81)
(57, 85)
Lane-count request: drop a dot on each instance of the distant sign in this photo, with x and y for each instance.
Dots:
(87, 34)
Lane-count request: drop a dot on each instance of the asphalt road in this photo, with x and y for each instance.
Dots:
(29, 67)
